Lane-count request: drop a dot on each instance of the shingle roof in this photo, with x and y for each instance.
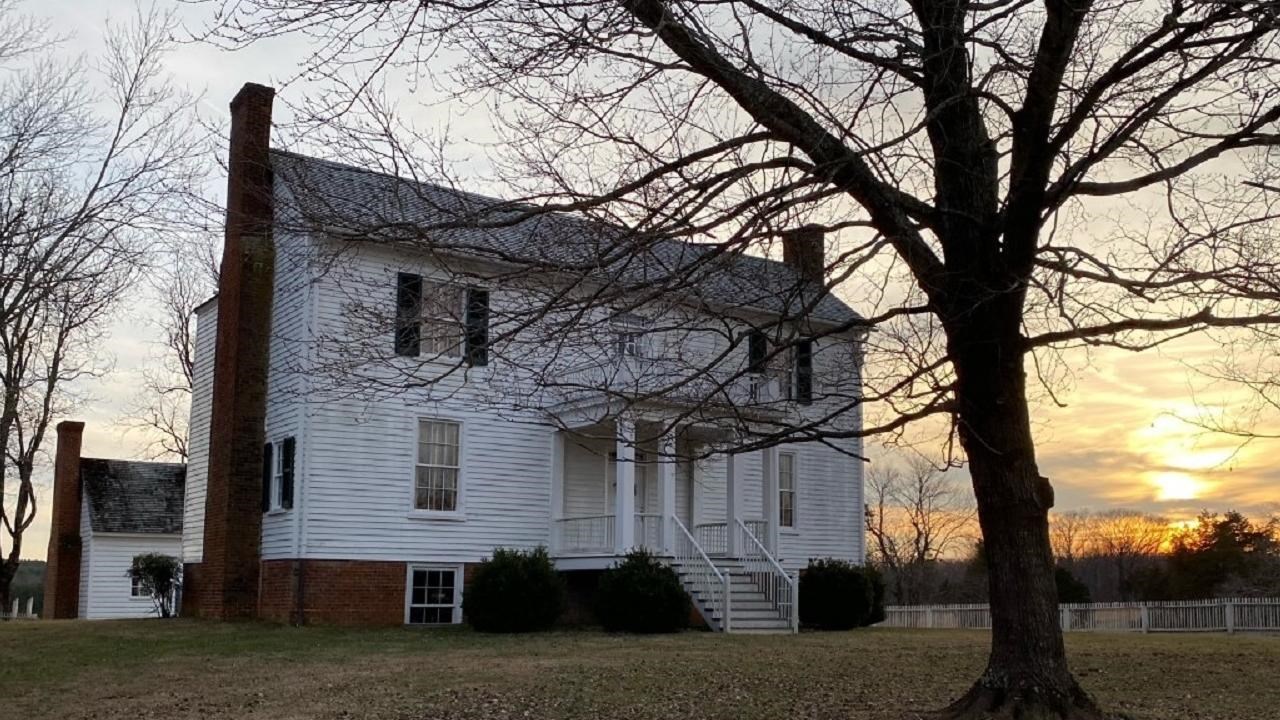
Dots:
(357, 202)
(126, 496)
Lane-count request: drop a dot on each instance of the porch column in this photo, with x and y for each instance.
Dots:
(769, 464)
(667, 488)
(732, 503)
(557, 488)
(624, 516)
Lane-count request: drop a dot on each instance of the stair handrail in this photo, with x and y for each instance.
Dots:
(779, 587)
(702, 564)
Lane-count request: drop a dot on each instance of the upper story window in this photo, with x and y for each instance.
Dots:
(278, 459)
(630, 336)
(438, 466)
(441, 320)
(792, 368)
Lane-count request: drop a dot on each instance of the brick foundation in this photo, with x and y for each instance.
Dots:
(335, 592)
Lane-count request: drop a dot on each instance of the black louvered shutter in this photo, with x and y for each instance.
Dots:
(757, 352)
(408, 314)
(804, 371)
(477, 326)
(286, 472)
(266, 477)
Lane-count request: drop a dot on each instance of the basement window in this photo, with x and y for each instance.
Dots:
(434, 596)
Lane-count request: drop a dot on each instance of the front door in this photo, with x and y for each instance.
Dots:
(644, 478)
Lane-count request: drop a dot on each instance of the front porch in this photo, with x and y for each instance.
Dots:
(623, 485)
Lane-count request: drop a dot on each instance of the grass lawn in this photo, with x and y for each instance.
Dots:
(187, 669)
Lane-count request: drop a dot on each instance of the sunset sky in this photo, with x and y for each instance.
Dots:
(1119, 443)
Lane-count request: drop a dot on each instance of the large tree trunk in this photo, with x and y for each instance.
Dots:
(1026, 675)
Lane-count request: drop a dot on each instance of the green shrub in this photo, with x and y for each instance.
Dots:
(641, 595)
(835, 595)
(514, 591)
(159, 576)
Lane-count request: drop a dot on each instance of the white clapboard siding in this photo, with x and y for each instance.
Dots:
(829, 519)
(286, 399)
(354, 482)
(107, 584)
(198, 433)
(86, 537)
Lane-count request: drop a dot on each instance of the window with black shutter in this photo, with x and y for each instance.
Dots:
(804, 371)
(267, 468)
(286, 472)
(408, 314)
(477, 327)
(757, 352)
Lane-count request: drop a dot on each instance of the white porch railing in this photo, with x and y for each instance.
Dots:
(1213, 615)
(587, 534)
(18, 610)
(759, 528)
(712, 537)
(781, 590)
(649, 532)
(709, 585)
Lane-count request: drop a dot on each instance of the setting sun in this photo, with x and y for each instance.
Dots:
(1176, 486)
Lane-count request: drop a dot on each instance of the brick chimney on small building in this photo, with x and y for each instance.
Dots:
(224, 585)
(62, 568)
(804, 249)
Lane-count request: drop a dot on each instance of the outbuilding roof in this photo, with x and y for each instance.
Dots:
(128, 496)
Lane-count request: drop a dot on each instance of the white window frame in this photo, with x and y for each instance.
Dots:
(135, 590)
(794, 491)
(459, 511)
(434, 289)
(630, 336)
(277, 475)
(459, 578)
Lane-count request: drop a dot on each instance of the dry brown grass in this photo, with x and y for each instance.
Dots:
(182, 669)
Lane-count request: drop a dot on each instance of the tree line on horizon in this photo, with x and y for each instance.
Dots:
(1119, 555)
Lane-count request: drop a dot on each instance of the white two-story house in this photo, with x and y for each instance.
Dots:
(398, 377)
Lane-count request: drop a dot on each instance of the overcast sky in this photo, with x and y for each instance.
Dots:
(1118, 443)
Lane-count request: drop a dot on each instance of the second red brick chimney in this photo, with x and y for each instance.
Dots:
(62, 569)
(225, 584)
(805, 250)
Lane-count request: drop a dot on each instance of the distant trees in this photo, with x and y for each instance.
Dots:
(916, 515)
(96, 163)
(1224, 555)
(1127, 555)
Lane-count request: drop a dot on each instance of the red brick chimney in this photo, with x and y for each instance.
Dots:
(225, 584)
(62, 569)
(805, 250)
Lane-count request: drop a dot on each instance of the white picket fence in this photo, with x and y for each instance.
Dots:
(19, 610)
(1216, 615)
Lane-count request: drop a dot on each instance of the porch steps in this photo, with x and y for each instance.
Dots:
(751, 611)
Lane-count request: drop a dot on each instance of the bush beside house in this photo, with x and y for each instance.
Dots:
(835, 595)
(641, 595)
(514, 591)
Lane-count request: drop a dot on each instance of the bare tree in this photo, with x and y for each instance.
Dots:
(1068, 533)
(187, 279)
(915, 518)
(87, 179)
(1008, 180)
